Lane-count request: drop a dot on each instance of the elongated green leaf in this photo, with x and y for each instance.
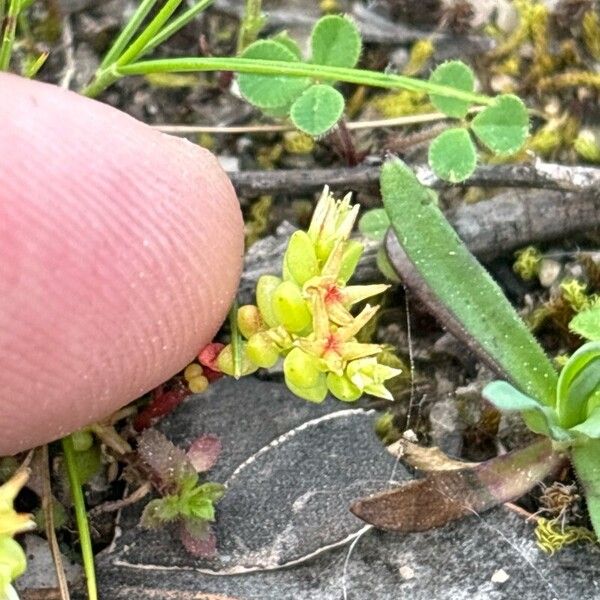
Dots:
(503, 126)
(586, 460)
(578, 380)
(452, 155)
(587, 324)
(270, 91)
(374, 224)
(591, 426)
(317, 110)
(453, 73)
(539, 417)
(431, 259)
(335, 41)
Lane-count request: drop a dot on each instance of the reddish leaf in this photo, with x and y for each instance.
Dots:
(198, 538)
(169, 464)
(444, 496)
(210, 374)
(209, 354)
(204, 452)
(162, 403)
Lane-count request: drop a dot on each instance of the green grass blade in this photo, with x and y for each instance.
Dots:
(138, 46)
(433, 261)
(81, 517)
(8, 35)
(130, 29)
(175, 25)
(236, 340)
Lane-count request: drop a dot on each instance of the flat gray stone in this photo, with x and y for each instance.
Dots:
(291, 469)
(456, 562)
(285, 531)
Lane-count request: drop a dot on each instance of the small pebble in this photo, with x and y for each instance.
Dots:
(406, 572)
(500, 576)
(549, 271)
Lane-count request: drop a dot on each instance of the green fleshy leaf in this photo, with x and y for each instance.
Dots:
(454, 74)
(439, 268)
(270, 92)
(591, 426)
(335, 41)
(578, 382)
(374, 224)
(342, 388)
(350, 258)
(265, 287)
(503, 126)
(12, 558)
(539, 418)
(587, 324)
(586, 460)
(317, 110)
(452, 155)
(290, 43)
(300, 259)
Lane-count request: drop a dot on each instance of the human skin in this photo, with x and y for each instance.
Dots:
(120, 253)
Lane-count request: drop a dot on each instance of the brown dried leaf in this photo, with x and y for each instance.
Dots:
(426, 459)
(444, 496)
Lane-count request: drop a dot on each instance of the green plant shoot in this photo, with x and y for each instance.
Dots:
(304, 316)
(437, 265)
(273, 76)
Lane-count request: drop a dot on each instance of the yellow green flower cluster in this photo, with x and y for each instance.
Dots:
(12, 557)
(304, 316)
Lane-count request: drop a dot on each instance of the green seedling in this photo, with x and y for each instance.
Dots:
(185, 499)
(304, 318)
(432, 260)
(274, 77)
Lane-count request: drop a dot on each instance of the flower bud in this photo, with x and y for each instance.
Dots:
(300, 260)
(265, 287)
(249, 320)
(196, 380)
(289, 307)
(262, 351)
(225, 361)
(82, 440)
(342, 388)
(301, 369)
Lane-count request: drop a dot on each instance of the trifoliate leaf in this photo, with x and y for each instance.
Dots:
(290, 43)
(587, 324)
(335, 41)
(270, 91)
(454, 74)
(503, 126)
(452, 155)
(317, 110)
(374, 224)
